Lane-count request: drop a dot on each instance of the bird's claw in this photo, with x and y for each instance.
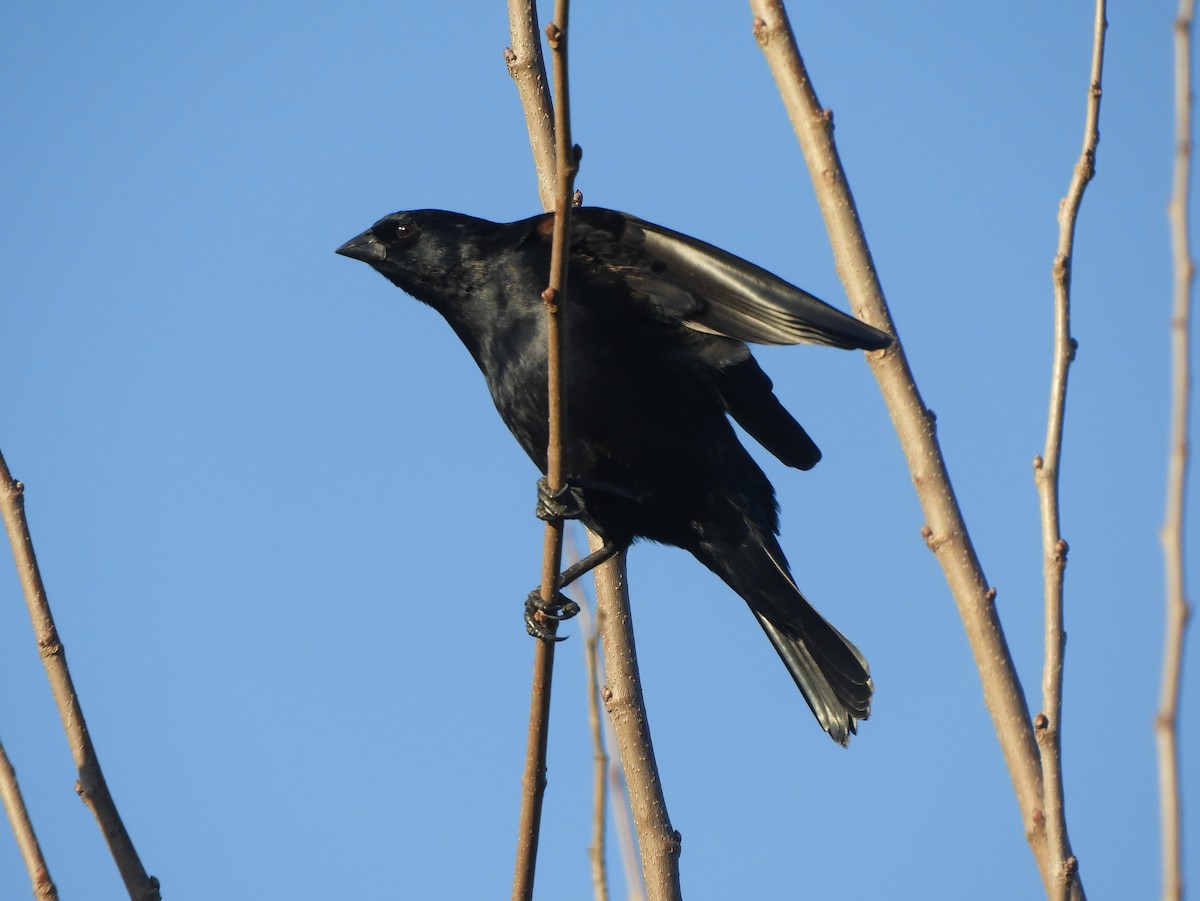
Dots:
(555, 506)
(536, 609)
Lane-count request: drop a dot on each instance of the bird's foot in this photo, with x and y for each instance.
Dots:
(555, 506)
(567, 502)
(537, 610)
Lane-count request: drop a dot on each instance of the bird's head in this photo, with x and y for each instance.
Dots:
(417, 250)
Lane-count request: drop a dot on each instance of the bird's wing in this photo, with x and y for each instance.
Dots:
(750, 398)
(708, 289)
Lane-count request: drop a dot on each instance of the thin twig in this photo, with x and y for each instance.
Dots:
(18, 819)
(91, 787)
(555, 298)
(1178, 610)
(533, 780)
(945, 530)
(1048, 723)
(597, 851)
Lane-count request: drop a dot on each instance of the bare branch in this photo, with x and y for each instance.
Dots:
(944, 530)
(623, 820)
(608, 767)
(1048, 723)
(92, 788)
(555, 298)
(597, 852)
(622, 695)
(18, 819)
(611, 592)
(597, 849)
(525, 65)
(1178, 610)
(533, 780)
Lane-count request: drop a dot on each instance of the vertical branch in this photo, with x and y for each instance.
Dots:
(612, 597)
(1047, 724)
(567, 160)
(18, 819)
(554, 297)
(92, 788)
(597, 851)
(944, 530)
(524, 60)
(1178, 611)
(533, 779)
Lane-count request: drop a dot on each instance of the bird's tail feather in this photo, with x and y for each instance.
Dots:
(827, 668)
(838, 699)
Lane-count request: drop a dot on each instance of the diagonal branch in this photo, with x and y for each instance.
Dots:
(658, 841)
(1178, 610)
(18, 819)
(945, 530)
(528, 71)
(609, 780)
(92, 788)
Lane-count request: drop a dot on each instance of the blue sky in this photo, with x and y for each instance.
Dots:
(287, 539)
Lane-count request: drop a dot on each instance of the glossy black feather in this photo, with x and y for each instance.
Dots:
(750, 399)
(712, 290)
(657, 362)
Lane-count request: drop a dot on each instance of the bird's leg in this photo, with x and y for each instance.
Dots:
(555, 506)
(552, 506)
(587, 564)
(561, 607)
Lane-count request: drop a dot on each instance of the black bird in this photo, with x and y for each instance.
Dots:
(656, 361)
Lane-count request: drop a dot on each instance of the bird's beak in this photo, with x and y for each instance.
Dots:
(365, 247)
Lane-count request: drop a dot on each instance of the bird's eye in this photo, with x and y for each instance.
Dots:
(406, 231)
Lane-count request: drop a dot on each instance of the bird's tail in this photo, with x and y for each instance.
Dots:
(829, 671)
(839, 695)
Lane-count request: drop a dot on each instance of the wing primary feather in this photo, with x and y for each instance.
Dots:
(745, 301)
